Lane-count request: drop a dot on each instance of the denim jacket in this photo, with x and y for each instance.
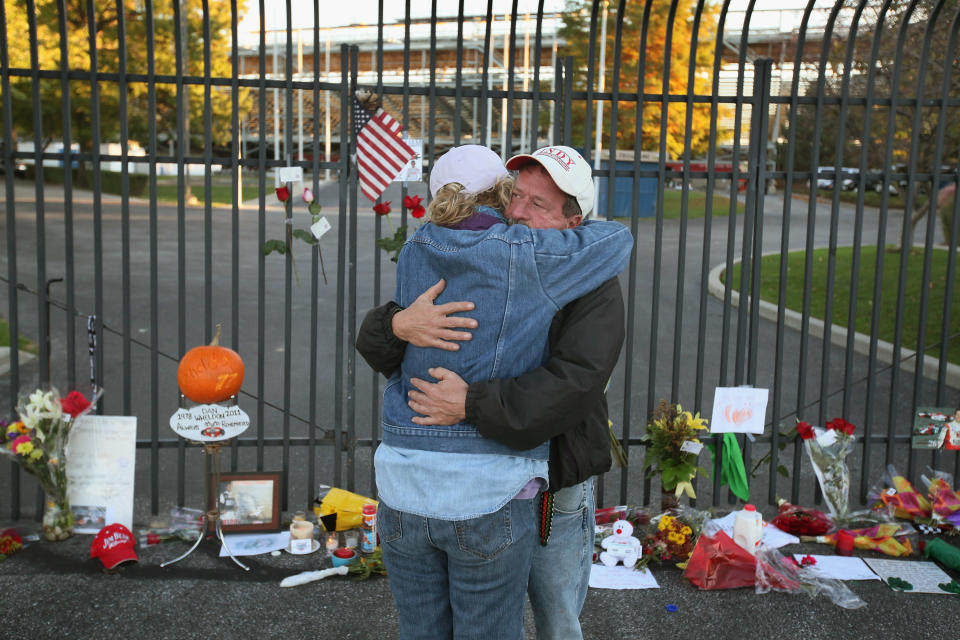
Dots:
(518, 278)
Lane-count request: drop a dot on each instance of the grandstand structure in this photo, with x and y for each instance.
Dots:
(418, 53)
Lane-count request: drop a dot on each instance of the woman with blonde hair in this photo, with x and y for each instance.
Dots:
(456, 519)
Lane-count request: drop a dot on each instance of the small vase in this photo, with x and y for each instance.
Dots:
(668, 501)
(57, 519)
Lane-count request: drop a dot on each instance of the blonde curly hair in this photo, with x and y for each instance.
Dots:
(451, 205)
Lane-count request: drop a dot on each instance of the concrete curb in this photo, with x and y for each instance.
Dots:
(5, 359)
(838, 335)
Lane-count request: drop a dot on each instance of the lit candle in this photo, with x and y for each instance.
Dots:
(332, 543)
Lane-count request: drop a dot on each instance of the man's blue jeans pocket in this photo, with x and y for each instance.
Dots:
(488, 535)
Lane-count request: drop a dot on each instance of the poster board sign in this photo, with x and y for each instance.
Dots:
(413, 170)
(101, 455)
(209, 422)
(739, 410)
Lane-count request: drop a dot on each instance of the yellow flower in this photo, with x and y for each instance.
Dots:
(24, 448)
(696, 421)
(36, 454)
(686, 531)
(681, 538)
(665, 522)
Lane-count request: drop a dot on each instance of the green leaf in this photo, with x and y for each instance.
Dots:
(304, 235)
(274, 245)
(314, 208)
(782, 470)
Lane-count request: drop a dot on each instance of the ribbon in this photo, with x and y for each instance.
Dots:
(732, 471)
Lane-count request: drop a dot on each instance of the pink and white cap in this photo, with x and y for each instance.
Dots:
(570, 172)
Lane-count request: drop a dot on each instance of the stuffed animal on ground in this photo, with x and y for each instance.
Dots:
(621, 546)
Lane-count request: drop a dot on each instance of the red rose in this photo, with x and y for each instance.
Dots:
(283, 193)
(412, 202)
(12, 534)
(382, 209)
(74, 404)
(841, 425)
(418, 211)
(804, 430)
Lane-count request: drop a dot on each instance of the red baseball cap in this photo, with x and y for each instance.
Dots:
(114, 544)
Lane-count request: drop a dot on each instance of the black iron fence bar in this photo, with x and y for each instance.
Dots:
(288, 263)
(905, 230)
(11, 223)
(858, 237)
(183, 103)
(261, 235)
(952, 241)
(67, 194)
(235, 140)
(207, 179)
(485, 115)
(377, 257)
(43, 321)
(589, 93)
(509, 63)
(314, 280)
(353, 194)
(534, 121)
(126, 402)
(872, 356)
(154, 268)
(458, 77)
(779, 360)
(834, 228)
(345, 109)
(432, 86)
(933, 21)
(632, 294)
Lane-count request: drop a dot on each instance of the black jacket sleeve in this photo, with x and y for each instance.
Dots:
(585, 341)
(382, 350)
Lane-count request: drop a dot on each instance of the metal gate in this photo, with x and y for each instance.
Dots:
(757, 105)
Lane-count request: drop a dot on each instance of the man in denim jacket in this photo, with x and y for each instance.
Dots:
(515, 410)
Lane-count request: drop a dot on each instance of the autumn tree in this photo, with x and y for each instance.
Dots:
(108, 61)
(576, 33)
(896, 71)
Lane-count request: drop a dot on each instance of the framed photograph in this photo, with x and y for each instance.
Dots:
(248, 501)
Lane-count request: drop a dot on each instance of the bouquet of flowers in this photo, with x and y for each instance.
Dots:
(674, 539)
(38, 442)
(801, 521)
(672, 448)
(827, 450)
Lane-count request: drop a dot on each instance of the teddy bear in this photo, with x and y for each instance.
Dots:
(621, 546)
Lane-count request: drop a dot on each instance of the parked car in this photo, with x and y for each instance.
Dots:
(874, 182)
(825, 178)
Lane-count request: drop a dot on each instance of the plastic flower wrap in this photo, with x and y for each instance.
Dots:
(776, 572)
(890, 538)
(899, 497)
(38, 443)
(827, 451)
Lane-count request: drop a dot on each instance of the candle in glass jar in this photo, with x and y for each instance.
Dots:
(350, 539)
(332, 543)
(301, 529)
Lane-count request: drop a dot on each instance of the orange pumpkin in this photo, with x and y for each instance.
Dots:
(210, 373)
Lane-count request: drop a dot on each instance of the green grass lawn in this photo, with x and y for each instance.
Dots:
(770, 284)
(696, 205)
(25, 345)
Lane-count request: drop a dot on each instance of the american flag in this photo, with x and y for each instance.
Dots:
(381, 152)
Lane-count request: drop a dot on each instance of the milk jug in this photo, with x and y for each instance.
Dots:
(748, 528)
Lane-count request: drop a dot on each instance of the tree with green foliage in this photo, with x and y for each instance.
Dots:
(576, 34)
(105, 24)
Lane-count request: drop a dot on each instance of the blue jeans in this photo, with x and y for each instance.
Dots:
(561, 569)
(459, 579)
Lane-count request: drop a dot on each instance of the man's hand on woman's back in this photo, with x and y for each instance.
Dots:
(425, 324)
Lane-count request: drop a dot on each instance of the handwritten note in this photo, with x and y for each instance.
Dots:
(619, 577)
(101, 455)
(739, 410)
(923, 576)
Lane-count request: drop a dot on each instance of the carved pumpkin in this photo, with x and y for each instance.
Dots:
(210, 373)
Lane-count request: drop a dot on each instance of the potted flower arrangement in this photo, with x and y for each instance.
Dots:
(673, 540)
(672, 442)
(38, 441)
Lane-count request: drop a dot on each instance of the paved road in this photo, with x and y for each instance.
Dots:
(129, 389)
